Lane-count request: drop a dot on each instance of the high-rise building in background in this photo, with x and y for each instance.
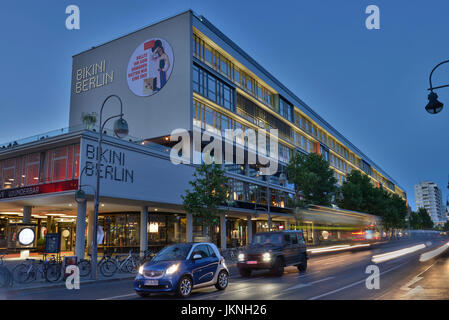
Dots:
(429, 196)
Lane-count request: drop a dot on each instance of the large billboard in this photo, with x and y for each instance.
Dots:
(148, 69)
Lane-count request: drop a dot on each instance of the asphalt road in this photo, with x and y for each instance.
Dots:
(335, 276)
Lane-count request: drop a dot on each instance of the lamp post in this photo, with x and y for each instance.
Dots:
(434, 106)
(120, 130)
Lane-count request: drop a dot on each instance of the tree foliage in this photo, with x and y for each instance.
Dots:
(421, 219)
(312, 177)
(209, 190)
(359, 194)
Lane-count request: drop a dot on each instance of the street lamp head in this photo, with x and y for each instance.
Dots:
(434, 106)
(121, 128)
(80, 196)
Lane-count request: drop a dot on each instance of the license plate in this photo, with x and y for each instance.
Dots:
(251, 262)
(151, 282)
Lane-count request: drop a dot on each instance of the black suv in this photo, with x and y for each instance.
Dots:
(274, 251)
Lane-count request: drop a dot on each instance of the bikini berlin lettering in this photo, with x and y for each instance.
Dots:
(113, 164)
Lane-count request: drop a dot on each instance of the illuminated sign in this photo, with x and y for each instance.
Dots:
(92, 77)
(26, 236)
(150, 67)
(39, 189)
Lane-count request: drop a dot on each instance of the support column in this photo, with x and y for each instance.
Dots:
(90, 230)
(176, 231)
(223, 231)
(143, 230)
(189, 227)
(26, 214)
(286, 225)
(249, 236)
(80, 230)
(50, 228)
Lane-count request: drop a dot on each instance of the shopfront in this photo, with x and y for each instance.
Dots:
(121, 231)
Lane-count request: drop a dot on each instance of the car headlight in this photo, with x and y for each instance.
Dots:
(141, 269)
(241, 256)
(172, 269)
(266, 257)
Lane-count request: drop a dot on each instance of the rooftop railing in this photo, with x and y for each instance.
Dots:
(54, 133)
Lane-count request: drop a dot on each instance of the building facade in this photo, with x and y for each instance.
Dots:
(180, 73)
(429, 196)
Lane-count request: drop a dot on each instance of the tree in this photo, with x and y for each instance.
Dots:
(446, 226)
(359, 194)
(356, 192)
(208, 192)
(312, 178)
(420, 219)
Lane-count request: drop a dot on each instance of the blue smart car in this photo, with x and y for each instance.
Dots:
(182, 267)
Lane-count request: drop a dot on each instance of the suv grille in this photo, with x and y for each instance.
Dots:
(253, 257)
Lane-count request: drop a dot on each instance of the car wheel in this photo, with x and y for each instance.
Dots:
(222, 281)
(185, 285)
(278, 267)
(302, 267)
(245, 272)
(143, 294)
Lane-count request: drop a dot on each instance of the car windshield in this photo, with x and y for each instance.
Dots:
(174, 252)
(275, 238)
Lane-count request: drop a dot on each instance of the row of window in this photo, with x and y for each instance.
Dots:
(54, 165)
(220, 63)
(212, 88)
(244, 191)
(217, 61)
(216, 122)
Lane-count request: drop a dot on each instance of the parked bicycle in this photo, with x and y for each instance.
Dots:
(107, 266)
(28, 270)
(6, 279)
(128, 264)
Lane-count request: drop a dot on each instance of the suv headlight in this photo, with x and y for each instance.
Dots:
(266, 257)
(172, 269)
(241, 256)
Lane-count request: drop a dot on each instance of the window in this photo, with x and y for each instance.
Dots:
(211, 252)
(295, 238)
(285, 109)
(213, 88)
(202, 250)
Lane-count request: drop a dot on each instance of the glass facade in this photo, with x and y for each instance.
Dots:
(122, 230)
(299, 129)
(55, 165)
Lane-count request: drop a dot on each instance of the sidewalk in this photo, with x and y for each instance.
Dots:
(43, 284)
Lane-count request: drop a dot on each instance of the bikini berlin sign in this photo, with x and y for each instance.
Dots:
(150, 67)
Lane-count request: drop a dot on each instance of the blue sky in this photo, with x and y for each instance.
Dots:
(369, 84)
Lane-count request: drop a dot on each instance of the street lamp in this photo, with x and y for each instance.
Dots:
(120, 130)
(434, 106)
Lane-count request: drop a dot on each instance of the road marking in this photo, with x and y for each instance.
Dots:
(122, 296)
(417, 289)
(352, 284)
(302, 285)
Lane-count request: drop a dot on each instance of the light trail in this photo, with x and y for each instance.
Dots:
(337, 248)
(396, 254)
(432, 254)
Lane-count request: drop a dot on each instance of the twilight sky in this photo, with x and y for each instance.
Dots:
(369, 84)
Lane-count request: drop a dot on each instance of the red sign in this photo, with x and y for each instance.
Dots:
(39, 189)
(148, 45)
